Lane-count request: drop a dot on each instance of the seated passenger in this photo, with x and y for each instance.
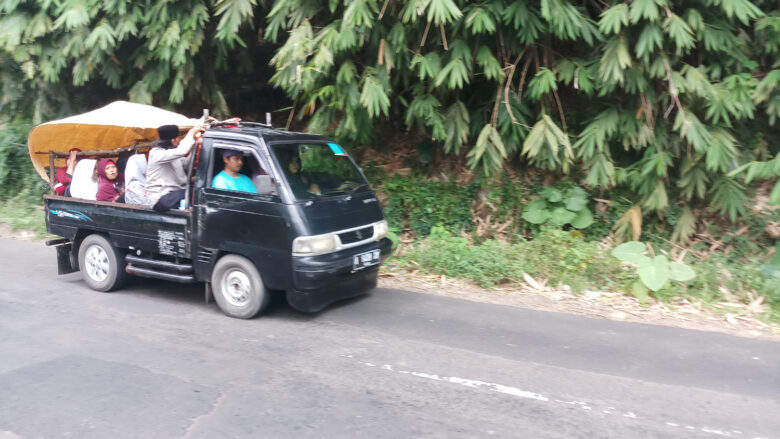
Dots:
(64, 175)
(109, 183)
(135, 180)
(230, 178)
(84, 185)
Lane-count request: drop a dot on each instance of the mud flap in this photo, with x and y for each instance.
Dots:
(67, 261)
(209, 295)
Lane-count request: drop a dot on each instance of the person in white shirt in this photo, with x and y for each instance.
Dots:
(135, 180)
(166, 171)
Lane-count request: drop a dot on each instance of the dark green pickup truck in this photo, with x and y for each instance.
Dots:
(316, 247)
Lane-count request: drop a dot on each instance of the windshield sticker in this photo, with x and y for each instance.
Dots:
(337, 150)
(72, 214)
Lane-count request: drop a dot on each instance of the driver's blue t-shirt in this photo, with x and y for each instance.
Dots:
(242, 183)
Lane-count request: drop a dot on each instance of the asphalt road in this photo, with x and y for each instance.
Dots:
(153, 361)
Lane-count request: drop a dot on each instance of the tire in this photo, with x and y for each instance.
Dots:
(102, 265)
(238, 288)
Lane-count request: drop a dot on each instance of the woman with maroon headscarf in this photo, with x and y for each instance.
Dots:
(109, 183)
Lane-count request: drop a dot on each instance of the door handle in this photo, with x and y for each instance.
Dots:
(211, 207)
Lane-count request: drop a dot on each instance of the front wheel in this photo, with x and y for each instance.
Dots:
(102, 266)
(238, 288)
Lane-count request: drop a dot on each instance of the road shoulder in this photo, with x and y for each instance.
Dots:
(597, 304)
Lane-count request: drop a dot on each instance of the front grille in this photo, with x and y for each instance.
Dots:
(356, 235)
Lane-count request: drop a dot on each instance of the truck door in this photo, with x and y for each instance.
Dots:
(242, 215)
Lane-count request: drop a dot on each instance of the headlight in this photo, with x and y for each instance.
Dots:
(381, 229)
(314, 244)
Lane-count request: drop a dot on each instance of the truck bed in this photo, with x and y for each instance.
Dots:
(128, 226)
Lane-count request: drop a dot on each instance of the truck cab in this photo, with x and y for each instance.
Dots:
(312, 228)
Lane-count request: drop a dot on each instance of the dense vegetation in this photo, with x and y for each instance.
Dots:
(676, 101)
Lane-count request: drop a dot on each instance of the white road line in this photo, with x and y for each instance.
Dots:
(514, 391)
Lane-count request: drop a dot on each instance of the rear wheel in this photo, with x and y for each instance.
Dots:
(238, 288)
(102, 265)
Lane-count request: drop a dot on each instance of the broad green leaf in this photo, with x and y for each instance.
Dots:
(680, 272)
(552, 194)
(640, 292)
(561, 216)
(583, 220)
(654, 273)
(576, 199)
(536, 212)
(774, 196)
(632, 251)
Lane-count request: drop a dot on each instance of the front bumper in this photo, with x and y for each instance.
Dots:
(323, 279)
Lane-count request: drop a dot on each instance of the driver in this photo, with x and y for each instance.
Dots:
(298, 182)
(231, 178)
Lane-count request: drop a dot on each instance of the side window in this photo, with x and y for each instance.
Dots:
(238, 170)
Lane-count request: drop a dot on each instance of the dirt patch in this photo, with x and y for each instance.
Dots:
(725, 317)
(22, 235)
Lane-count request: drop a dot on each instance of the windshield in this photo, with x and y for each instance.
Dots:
(315, 170)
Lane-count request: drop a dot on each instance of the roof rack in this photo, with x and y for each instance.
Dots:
(265, 125)
(235, 121)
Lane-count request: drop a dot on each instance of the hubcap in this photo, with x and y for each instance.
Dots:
(96, 260)
(236, 288)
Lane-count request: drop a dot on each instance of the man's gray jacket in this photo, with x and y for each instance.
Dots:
(167, 170)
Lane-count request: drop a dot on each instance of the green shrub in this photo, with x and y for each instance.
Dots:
(560, 207)
(558, 256)
(419, 204)
(18, 179)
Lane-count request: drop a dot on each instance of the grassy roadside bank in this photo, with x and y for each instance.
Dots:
(568, 263)
(24, 216)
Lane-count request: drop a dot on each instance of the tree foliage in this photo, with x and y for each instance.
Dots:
(676, 100)
(672, 99)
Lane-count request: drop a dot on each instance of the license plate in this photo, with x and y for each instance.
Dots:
(364, 260)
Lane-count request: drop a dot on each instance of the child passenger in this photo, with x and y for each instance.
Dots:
(109, 183)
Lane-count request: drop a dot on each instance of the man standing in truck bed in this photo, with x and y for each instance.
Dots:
(166, 173)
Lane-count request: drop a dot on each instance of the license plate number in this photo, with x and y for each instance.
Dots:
(364, 260)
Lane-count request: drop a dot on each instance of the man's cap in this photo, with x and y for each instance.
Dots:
(74, 149)
(168, 132)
